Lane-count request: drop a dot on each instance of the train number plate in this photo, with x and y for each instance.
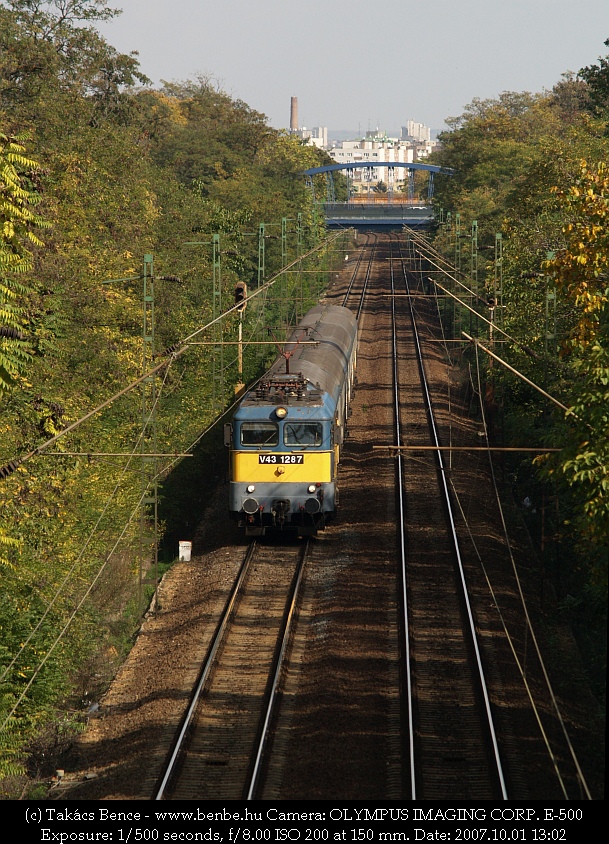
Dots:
(281, 458)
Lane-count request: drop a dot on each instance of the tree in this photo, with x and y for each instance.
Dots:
(130, 172)
(581, 274)
(46, 53)
(17, 223)
(581, 269)
(597, 78)
(571, 97)
(490, 147)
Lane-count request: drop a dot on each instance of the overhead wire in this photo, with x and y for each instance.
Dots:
(509, 639)
(162, 472)
(75, 564)
(492, 592)
(523, 602)
(472, 293)
(108, 557)
(421, 242)
(476, 342)
(465, 590)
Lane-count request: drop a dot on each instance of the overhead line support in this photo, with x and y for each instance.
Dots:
(516, 372)
(149, 510)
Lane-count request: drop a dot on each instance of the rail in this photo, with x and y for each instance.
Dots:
(220, 667)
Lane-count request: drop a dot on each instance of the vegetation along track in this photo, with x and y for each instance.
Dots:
(220, 747)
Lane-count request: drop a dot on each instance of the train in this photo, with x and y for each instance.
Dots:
(286, 434)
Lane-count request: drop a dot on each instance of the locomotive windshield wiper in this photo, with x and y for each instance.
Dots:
(266, 443)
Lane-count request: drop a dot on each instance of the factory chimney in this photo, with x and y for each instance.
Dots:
(294, 114)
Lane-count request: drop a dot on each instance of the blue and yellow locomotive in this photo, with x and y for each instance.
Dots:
(286, 435)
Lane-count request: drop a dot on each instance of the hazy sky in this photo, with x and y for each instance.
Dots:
(363, 63)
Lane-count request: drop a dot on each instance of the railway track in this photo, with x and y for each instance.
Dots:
(447, 737)
(452, 744)
(504, 603)
(224, 741)
(222, 749)
(355, 294)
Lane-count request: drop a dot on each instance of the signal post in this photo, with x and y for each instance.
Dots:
(241, 302)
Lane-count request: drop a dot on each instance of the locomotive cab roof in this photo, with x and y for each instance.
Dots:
(284, 389)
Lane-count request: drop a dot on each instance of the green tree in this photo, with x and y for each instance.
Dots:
(206, 134)
(518, 171)
(131, 172)
(597, 78)
(51, 63)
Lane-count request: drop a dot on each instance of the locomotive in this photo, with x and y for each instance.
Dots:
(286, 434)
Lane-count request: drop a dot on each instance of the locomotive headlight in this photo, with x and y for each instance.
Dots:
(281, 412)
(311, 489)
(250, 488)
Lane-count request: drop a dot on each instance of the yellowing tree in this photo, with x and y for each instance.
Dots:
(581, 269)
(17, 223)
(581, 273)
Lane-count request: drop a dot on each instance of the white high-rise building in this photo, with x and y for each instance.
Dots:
(316, 137)
(319, 136)
(414, 131)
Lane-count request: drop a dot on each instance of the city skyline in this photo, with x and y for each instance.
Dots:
(351, 67)
(322, 135)
(354, 69)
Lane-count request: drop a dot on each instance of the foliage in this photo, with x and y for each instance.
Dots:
(18, 222)
(580, 272)
(492, 146)
(581, 269)
(132, 171)
(596, 78)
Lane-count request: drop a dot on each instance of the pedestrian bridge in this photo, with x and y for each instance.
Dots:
(373, 209)
(374, 215)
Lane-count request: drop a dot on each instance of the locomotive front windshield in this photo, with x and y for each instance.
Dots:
(302, 433)
(259, 433)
